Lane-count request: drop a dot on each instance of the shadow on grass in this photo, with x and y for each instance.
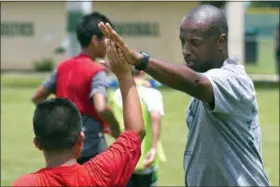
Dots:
(266, 85)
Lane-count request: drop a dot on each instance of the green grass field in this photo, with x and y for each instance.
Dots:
(19, 156)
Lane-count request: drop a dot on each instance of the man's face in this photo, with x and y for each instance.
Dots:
(199, 48)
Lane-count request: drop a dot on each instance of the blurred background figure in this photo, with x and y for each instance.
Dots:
(145, 173)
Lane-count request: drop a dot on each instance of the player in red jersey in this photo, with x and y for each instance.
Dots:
(83, 81)
(58, 132)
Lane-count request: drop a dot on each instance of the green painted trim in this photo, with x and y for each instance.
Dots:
(262, 10)
(72, 20)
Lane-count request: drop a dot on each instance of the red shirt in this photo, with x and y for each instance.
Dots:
(73, 82)
(113, 167)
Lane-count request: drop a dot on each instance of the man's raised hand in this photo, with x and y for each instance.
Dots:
(118, 64)
(130, 55)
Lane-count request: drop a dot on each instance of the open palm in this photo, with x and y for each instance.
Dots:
(130, 55)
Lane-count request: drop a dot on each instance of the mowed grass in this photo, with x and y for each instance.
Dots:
(19, 156)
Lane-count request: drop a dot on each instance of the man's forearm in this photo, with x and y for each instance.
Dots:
(155, 120)
(177, 76)
(41, 94)
(155, 134)
(132, 112)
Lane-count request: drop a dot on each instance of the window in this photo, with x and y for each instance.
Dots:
(137, 28)
(15, 29)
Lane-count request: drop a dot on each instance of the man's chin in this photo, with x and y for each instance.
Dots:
(196, 69)
(191, 66)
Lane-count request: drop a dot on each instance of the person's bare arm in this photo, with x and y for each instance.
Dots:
(180, 77)
(154, 104)
(132, 111)
(40, 94)
(46, 89)
(155, 125)
(155, 122)
(99, 89)
(105, 112)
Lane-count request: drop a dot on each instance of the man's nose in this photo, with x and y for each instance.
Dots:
(186, 52)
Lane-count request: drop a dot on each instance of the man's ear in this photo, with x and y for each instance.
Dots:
(37, 145)
(222, 42)
(81, 138)
(94, 39)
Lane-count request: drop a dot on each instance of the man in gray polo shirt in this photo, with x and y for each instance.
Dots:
(224, 141)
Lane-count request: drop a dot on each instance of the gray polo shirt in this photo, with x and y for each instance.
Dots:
(224, 142)
(94, 142)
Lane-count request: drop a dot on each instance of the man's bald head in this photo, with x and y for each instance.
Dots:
(208, 18)
(203, 35)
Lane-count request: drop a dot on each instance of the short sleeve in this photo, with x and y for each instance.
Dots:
(153, 100)
(50, 82)
(26, 180)
(232, 90)
(99, 84)
(115, 166)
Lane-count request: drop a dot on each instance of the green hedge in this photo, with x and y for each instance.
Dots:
(44, 65)
(21, 81)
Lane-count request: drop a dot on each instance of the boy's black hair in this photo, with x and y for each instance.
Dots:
(57, 124)
(88, 26)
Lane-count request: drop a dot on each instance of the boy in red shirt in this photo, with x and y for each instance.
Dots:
(58, 132)
(84, 82)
